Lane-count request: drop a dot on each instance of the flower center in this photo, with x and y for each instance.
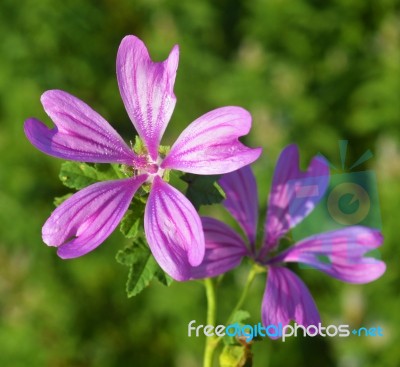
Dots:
(152, 169)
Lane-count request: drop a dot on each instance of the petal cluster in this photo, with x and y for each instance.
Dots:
(209, 145)
(293, 196)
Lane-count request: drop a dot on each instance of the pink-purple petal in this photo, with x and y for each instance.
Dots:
(224, 249)
(241, 200)
(340, 254)
(146, 88)
(286, 298)
(80, 134)
(87, 218)
(210, 144)
(173, 230)
(294, 194)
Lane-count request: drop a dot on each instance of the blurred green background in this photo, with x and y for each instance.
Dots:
(311, 72)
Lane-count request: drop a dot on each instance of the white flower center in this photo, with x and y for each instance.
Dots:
(152, 169)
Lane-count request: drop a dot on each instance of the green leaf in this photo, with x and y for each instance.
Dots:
(60, 199)
(77, 175)
(130, 224)
(203, 190)
(107, 171)
(133, 219)
(141, 273)
(164, 278)
(126, 256)
(143, 268)
(239, 316)
(175, 179)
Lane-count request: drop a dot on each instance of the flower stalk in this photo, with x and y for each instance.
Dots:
(211, 342)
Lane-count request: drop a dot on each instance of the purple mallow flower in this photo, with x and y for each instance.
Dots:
(293, 196)
(209, 145)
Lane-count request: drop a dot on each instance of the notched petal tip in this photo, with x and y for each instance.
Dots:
(146, 88)
(172, 61)
(131, 43)
(80, 133)
(345, 249)
(321, 160)
(35, 130)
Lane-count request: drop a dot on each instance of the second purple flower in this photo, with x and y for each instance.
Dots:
(338, 253)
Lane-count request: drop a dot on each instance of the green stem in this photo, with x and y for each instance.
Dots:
(250, 277)
(211, 342)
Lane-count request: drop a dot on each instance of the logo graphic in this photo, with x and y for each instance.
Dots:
(351, 199)
(351, 196)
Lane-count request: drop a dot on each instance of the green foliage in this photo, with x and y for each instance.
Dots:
(130, 225)
(142, 267)
(76, 175)
(60, 199)
(203, 190)
(240, 316)
(132, 222)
